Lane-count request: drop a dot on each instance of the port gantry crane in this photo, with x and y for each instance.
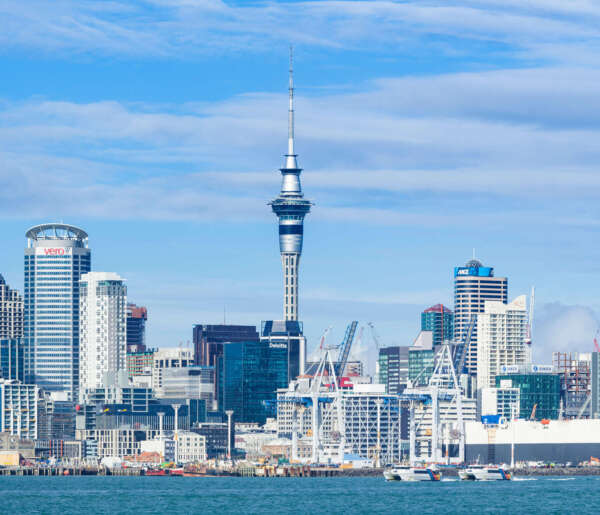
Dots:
(442, 386)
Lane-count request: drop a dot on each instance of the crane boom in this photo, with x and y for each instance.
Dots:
(465, 345)
(345, 347)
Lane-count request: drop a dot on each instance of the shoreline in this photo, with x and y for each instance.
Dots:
(315, 472)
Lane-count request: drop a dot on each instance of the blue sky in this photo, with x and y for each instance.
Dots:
(425, 128)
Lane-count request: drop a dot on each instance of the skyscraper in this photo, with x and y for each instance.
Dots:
(473, 285)
(102, 327)
(501, 332)
(55, 258)
(11, 312)
(440, 320)
(290, 207)
(210, 338)
(136, 328)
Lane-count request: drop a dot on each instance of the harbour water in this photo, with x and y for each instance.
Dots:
(115, 495)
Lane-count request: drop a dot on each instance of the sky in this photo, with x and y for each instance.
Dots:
(426, 129)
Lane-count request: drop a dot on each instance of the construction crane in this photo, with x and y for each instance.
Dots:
(530, 323)
(374, 335)
(464, 348)
(345, 347)
(323, 337)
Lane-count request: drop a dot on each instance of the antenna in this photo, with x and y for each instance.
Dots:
(473, 253)
(291, 107)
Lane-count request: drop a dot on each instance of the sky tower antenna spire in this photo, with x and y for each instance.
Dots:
(290, 162)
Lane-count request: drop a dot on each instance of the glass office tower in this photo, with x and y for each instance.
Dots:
(249, 374)
(55, 258)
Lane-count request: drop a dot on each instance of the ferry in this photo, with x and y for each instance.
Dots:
(482, 473)
(411, 474)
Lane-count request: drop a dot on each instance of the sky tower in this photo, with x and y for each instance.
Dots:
(290, 207)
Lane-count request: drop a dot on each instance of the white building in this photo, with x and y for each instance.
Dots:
(190, 447)
(102, 327)
(501, 332)
(18, 409)
(503, 401)
(169, 358)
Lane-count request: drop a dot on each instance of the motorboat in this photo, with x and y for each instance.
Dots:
(483, 473)
(411, 474)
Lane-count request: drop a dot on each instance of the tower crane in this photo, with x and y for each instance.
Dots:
(345, 347)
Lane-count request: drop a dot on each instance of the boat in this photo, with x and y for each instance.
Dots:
(176, 472)
(483, 473)
(155, 472)
(412, 474)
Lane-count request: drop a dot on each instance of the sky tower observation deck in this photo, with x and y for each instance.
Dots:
(290, 207)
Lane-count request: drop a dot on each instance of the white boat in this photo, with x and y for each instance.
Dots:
(482, 473)
(411, 474)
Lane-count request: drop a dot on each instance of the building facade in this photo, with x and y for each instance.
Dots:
(249, 374)
(440, 321)
(502, 329)
(539, 391)
(291, 207)
(102, 327)
(11, 312)
(169, 358)
(12, 359)
(393, 368)
(289, 335)
(56, 257)
(210, 338)
(19, 409)
(136, 328)
(473, 285)
(193, 382)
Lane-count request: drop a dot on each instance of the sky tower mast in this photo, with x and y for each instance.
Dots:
(290, 207)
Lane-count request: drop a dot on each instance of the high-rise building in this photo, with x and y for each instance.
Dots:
(210, 338)
(12, 359)
(249, 374)
(501, 331)
(287, 335)
(102, 327)
(11, 312)
(136, 328)
(55, 258)
(473, 285)
(290, 207)
(440, 321)
(421, 359)
(393, 368)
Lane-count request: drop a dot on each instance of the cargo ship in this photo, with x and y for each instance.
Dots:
(558, 441)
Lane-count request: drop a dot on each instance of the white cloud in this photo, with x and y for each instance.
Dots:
(385, 155)
(563, 328)
(184, 28)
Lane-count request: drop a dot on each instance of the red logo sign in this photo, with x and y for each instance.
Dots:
(54, 252)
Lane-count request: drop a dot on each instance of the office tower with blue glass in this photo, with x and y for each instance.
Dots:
(290, 207)
(56, 256)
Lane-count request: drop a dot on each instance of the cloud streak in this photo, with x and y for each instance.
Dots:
(179, 29)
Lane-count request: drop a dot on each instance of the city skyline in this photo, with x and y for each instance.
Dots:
(166, 162)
